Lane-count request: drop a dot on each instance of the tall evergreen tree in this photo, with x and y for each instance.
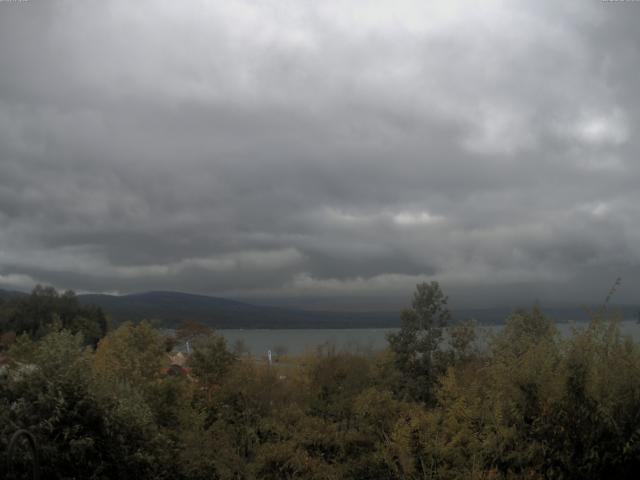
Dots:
(416, 346)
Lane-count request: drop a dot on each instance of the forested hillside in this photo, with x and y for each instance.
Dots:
(171, 308)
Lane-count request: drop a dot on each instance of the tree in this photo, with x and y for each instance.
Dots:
(46, 310)
(416, 345)
(49, 391)
(133, 353)
(190, 330)
(241, 349)
(210, 361)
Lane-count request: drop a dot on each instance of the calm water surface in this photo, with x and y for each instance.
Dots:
(297, 341)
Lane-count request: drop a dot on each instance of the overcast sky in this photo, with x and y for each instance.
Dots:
(321, 148)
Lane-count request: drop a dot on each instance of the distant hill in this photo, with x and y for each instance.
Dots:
(170, 308)
(11, 294)
(560, 314)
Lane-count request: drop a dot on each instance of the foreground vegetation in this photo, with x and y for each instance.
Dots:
(528, 404)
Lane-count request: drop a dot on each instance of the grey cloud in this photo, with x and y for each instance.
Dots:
(164, 144)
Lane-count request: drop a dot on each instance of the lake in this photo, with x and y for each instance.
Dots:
(298, 341)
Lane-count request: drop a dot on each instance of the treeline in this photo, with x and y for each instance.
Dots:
(528, 404)
(46, 311)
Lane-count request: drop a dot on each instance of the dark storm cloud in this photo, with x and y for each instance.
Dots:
(306, 148)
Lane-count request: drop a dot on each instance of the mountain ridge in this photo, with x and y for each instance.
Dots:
(170, 308)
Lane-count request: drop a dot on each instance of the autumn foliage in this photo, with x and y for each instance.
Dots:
(441, 401)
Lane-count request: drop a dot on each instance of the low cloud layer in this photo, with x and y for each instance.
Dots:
(283, 149)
